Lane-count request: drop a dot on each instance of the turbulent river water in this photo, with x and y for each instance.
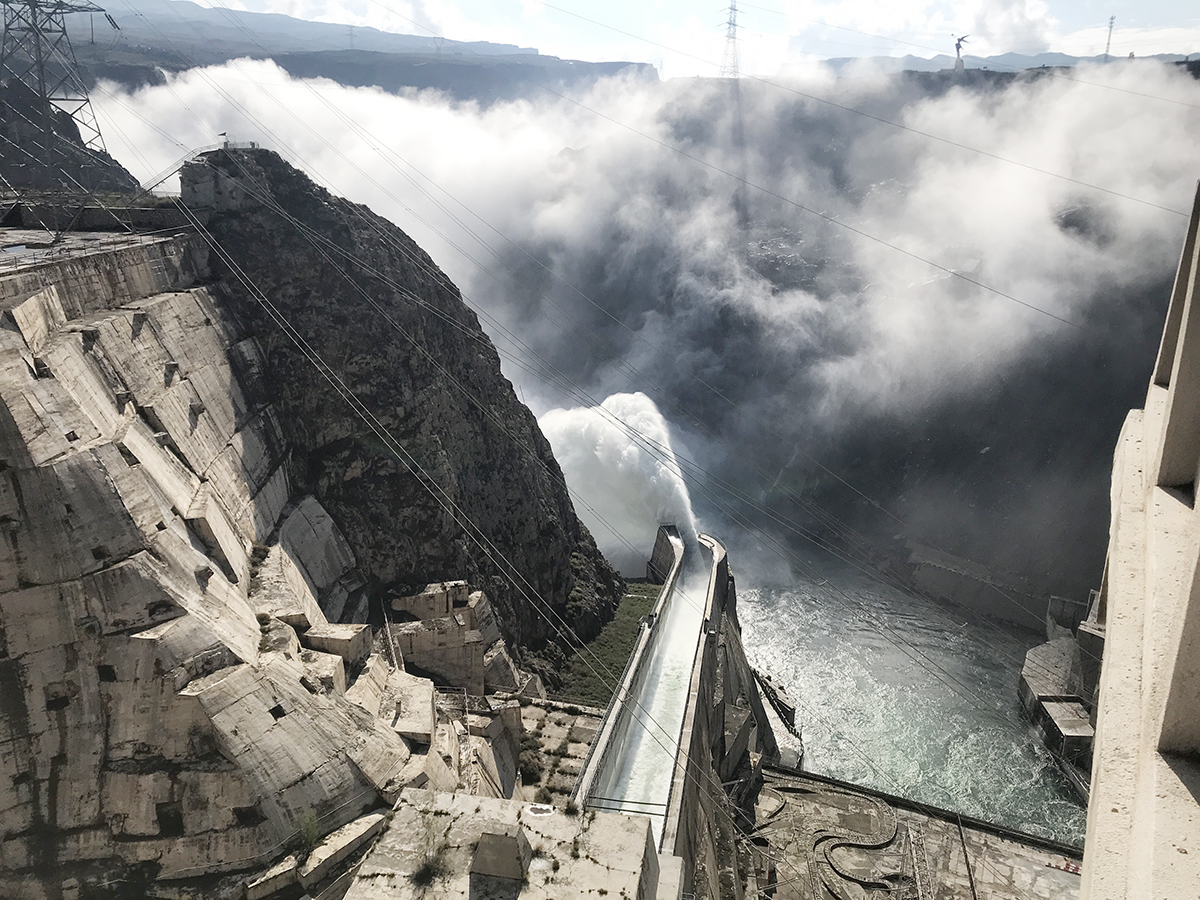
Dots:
(909, 697)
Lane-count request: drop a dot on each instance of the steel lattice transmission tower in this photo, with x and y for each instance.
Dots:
(729, 61)
(36, 51)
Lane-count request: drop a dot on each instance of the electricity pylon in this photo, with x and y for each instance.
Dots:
(37, 52)
(729, 62)
(729, 69)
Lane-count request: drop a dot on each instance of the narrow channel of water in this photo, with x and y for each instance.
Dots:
(635, 776)
(909, 697)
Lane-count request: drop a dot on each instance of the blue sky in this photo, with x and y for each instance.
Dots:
(686, 37)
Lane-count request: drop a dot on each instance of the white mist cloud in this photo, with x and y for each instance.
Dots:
(621, 268)
(628, 486)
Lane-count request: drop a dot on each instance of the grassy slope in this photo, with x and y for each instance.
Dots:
(611, 647)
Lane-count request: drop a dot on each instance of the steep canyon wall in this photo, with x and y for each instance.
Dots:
(376, 308)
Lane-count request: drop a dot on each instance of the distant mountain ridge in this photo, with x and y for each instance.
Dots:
(1003, 62)
(154, 38)
(204, 32)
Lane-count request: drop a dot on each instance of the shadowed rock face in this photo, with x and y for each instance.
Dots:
(484, 499)
(41, 150)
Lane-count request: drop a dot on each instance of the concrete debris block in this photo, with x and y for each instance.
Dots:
(351, 642)
(533, 687)
(261, 730)
(500, 671)
(368, 688)
(447, 743)
(327, 670)
(483, 618)
(434, 600)
(568, 856)
(492, 777)
(337, 846)
(279, 637)
(39, 317)
(257, 519)
(427, 770)
(379, 757)
(445, 647)
(275, 879)
(304, 749)
(315, 547)
(442, 777)
(500, 863)
(413, 710)
(276, 596)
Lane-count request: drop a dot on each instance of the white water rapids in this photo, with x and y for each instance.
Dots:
(925, 707)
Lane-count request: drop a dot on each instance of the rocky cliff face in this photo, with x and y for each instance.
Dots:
(41, 149)
(484, 499)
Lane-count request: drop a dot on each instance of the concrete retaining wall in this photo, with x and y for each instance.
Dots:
(723, 743)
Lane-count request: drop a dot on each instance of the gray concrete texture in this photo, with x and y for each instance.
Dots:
(1143, 834)
(428, 849)
(834, 840)
(158, 706)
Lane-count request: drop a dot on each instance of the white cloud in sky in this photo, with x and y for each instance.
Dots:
(687, 39)
(646, 233)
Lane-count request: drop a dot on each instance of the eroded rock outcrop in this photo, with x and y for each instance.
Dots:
(484, 499)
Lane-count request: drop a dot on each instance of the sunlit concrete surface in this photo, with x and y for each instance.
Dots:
(1143, 836)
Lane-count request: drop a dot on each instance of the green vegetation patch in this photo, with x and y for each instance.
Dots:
(608, 652)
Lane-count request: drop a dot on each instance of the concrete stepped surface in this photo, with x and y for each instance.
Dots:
(161, 716)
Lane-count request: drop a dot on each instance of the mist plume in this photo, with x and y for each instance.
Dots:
(795, 355)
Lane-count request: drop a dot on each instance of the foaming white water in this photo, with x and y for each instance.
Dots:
(619, 463)
(925, 707)
(635, 775)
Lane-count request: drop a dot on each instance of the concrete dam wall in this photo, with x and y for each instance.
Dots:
(176, 702)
